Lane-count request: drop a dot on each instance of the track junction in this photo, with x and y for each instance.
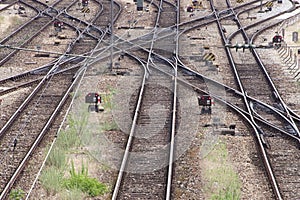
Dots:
(170, 59)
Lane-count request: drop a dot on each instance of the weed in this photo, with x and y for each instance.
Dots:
(75, 95)
(51, 179)
(16, 194)
(223, 182)
(107, 98)
(68, 139)
(16, 20)
(57, 158)
(110, 126)
(81, 181)
(73, 194)
(87, 138)
(77, 123)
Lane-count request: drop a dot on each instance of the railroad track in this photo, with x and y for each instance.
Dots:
(146, 168)
(168, 15)
(26, 127)
(278, 187)
(158, 50)
(144, 171)
(23, 34)
(36, 113)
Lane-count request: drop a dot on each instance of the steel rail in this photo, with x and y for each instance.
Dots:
(7, 6)
(256, 56)
(18, 29)
(182, 66)
(50, 73)
(77, 78)
(293, 115)
(202, 76)
(15, 115)
(154, 34)
(251, 117)
(42, 51)
(35, 144)
(28, 83)
(263, 68)
(28, 40)
(229, 38)
(66, 14)
(131, 134)
(30, 97)
(226, 102)
(287, 110)
(21, 166)
(12, 119)
(266, 161)
(173, 128)
(24, 43)
(206, 78)
(136, 114)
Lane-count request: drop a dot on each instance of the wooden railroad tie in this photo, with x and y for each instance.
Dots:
(42, 55)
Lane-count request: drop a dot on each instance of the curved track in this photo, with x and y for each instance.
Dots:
(161, 53)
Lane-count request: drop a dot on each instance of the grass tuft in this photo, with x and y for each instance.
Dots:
(16, 194)
(51, 179)
(68, 139)
(110, 126)
(223, 182)
(107, 98)
(79, 184)
(57, 158)
(73, 194)
(83, 182)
